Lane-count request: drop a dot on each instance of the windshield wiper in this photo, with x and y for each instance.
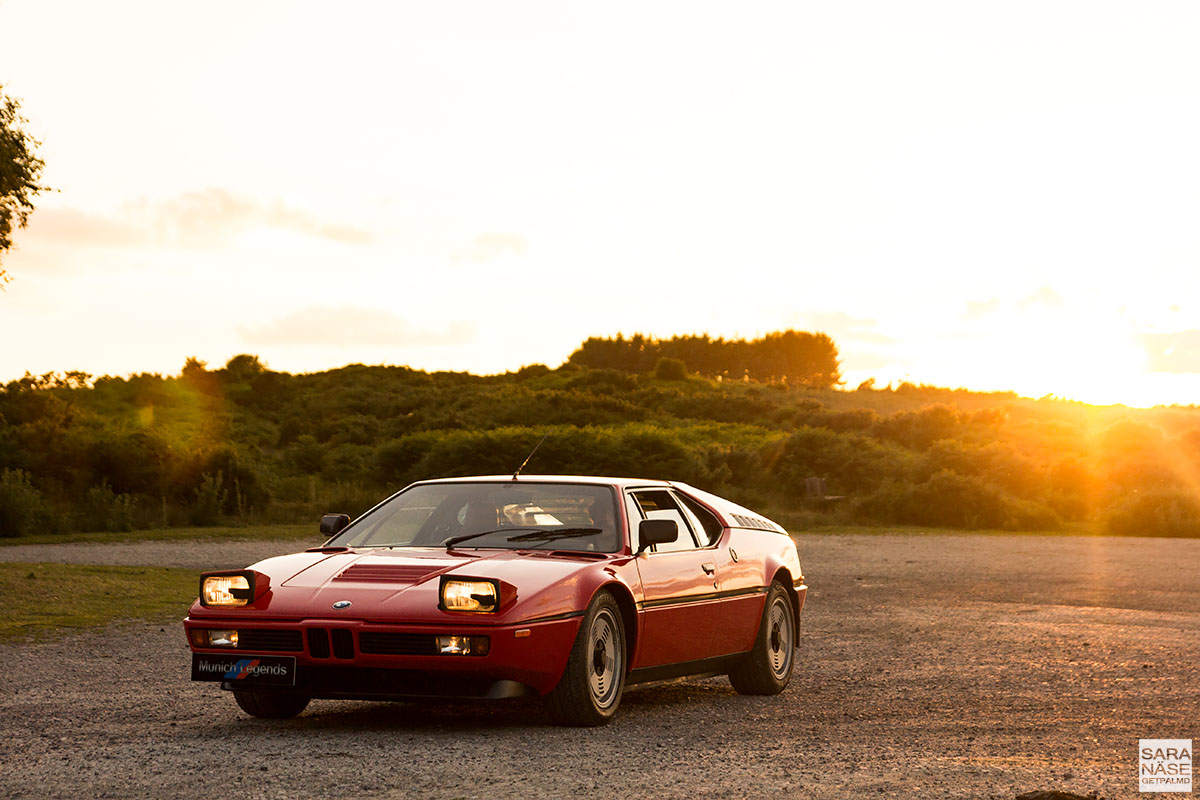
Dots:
(535, 534)
(543, 534)
(453, 540)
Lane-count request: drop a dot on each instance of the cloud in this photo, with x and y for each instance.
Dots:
(1177, 352)
(1044, 297)
(72, 226)
(198, 220)
(841, 325)
(487, 246)
(865, 361)
(199, 217)
(351, 326)
(978, 309)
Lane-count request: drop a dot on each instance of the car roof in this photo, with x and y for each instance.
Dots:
(578, 479)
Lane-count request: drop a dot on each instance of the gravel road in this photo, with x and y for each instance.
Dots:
(931, 667)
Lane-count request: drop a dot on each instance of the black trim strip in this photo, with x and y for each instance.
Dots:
(698, 598)
(705, 667)
(551, 618)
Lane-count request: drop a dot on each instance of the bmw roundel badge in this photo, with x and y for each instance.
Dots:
(342, 604)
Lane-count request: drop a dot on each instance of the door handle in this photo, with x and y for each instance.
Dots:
(709, 569)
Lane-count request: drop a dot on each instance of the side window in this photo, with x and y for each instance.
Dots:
(659, 504)
(709, 527)
(635, 516)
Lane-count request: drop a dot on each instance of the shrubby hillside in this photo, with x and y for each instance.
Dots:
(244, 443)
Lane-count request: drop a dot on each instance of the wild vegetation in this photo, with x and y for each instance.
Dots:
(803, 359)
(243, 444)
(20, 174)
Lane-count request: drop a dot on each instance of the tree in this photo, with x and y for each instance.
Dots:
(807, 359)
(20, 171)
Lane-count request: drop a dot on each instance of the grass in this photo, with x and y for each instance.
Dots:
(45, 599)
(1070, 529)
(303, 533)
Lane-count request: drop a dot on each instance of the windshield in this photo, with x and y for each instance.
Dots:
(510, 514)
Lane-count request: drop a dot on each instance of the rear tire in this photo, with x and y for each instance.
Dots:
(270, 705)
(591, 686)
(767, 668)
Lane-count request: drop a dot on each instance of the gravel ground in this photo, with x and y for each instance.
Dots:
(931, 667)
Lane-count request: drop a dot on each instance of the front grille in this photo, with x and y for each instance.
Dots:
(343, 643)
(318, 643)
(269, 639)
(397, 644)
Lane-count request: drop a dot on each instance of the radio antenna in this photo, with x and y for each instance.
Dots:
(531, 452)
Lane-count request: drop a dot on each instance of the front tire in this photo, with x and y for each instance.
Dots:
(270, 705)
(767, 668)
(591, 686)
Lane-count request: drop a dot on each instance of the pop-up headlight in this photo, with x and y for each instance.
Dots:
(230, 589)
(475, 595)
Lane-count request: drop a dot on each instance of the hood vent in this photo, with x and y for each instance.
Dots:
(386, 573)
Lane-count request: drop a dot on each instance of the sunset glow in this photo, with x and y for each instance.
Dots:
(992, 196)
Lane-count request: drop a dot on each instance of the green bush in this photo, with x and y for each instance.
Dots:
(396, 460)
(210, 500)
(105, 510)
(997, 463)
(1155, 513)
(951, 500)
(305, 454)
(920, 429)
(694, 406)
(670, 369)
(21, 505)
(609, 381)
(530, 371)
(849, 462)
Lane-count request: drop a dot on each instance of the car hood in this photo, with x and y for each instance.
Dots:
(402, 585)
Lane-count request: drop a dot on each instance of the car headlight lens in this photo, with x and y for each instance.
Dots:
(470, 595)
(230, 589)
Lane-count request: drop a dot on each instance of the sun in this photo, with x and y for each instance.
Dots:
(1066, 352)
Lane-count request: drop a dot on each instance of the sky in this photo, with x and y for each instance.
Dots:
(996, 195)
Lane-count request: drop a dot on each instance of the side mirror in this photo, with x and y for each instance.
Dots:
(333, 523)
(656, 531)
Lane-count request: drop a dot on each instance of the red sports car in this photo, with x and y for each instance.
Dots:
(567, 588)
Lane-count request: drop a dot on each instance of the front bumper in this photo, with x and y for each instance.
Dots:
(365, 660)
(801, 590)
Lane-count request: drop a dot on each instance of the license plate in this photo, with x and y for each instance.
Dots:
(244, 669)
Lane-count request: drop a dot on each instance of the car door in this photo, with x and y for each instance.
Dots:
(736, 621)
(680, 586)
